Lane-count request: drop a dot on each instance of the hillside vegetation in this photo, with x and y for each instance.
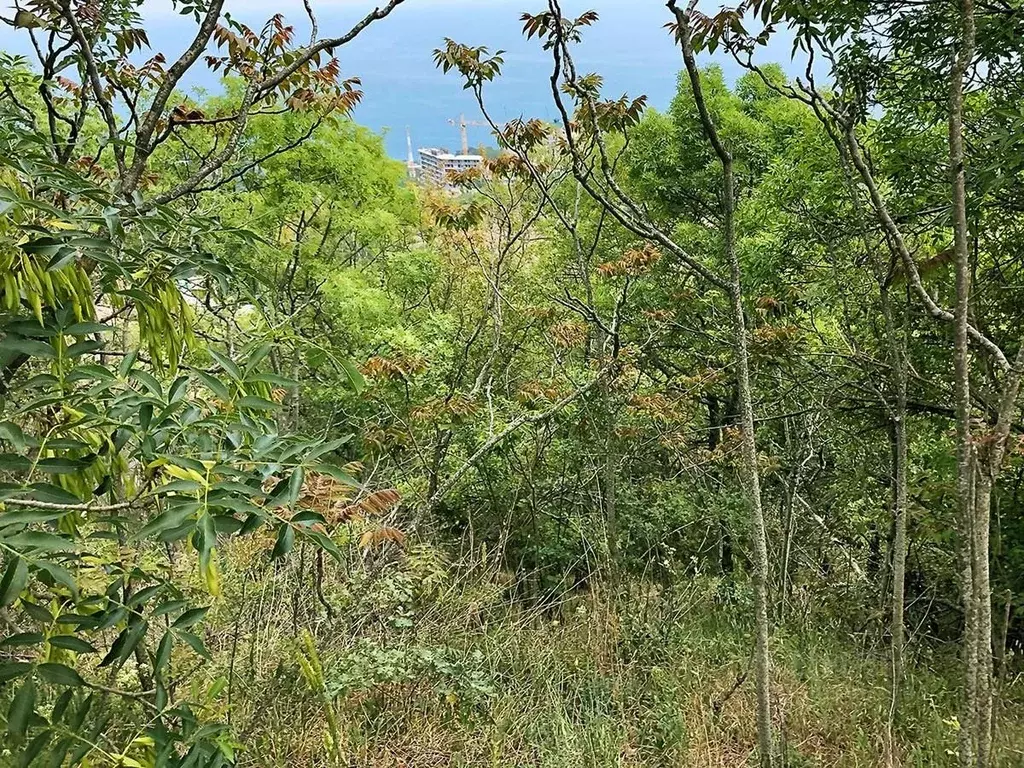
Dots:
(663, 438)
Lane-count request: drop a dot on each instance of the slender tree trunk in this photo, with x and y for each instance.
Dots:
(788, 516)
(896, 339)
(969, 651)
(751, 481)
(608, 484)
(983, 600)
(789, 490)
(977, 674)
(717, 415)
(897, 343)
(899, 545)
(296, 395)
(750, 478)
(605, 430)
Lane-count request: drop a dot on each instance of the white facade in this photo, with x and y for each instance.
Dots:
(435, 164)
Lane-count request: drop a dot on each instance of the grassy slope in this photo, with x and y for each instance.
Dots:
(424, 667)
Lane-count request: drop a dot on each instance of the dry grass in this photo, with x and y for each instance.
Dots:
(462, 671)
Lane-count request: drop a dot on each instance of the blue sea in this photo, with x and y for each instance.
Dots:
(628, 46)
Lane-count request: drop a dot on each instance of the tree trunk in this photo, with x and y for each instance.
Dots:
(983, 601)
(899, 546)
(608, 483)
(751, 482)
(977, 676)
(897, 343)
(750, 478)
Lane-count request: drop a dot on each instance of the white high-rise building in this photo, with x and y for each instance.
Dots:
(435, 164)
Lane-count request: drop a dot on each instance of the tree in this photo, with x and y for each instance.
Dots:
(141, 434)
(594, 169)
(917, 37)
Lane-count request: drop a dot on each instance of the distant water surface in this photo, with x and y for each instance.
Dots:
(628, 46)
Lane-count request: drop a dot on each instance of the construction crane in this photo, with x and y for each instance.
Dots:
(411, 165)
(462, 122)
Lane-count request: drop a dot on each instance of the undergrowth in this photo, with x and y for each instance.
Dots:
(414, 662)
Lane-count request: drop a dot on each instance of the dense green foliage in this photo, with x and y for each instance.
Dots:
(306, 462)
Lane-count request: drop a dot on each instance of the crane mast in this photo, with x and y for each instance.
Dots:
(462, 122)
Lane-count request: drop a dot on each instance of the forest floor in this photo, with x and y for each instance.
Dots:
(420, 669)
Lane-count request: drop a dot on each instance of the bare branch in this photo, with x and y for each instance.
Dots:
(143, 147)
(92, 71)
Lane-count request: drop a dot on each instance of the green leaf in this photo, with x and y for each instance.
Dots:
(91, 372)
(226, 363)
(190, 617)
(62, 465)
(33, 749)
(61, 705)
(127, 362)
(15, 462)
(215, 386)
(230, 486)
(78, 716)
(143, 595)
(12, 433)
(163, 652)
(31, 328)
(44, 246)
(149, 381)
(177, 486)
(71, 643)
(325, 543)
(273, 378)
(355, 378)
(23, 638)
(258, 403)
(127, 641)
(13, 669)
(59, 674)
(42, 381)
(59, 574)
(285, 541)
(145, 416)
(45, 542)
(61, 259)
(28, 347)
(328, 447)
(170, 518)
(25, 515)
(22, 707)
(208, 540)
(258, 354)
(196, 644)
(295, 481)
(14, 581)
(86, 329)
(38, 612)
(234, 504)
(178, 389)
(338, 474)
(169, 607)
(306, 517)
(53, 494)
(252, 523)
(83, 348)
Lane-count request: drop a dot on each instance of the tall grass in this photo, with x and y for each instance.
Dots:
(429, 664)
